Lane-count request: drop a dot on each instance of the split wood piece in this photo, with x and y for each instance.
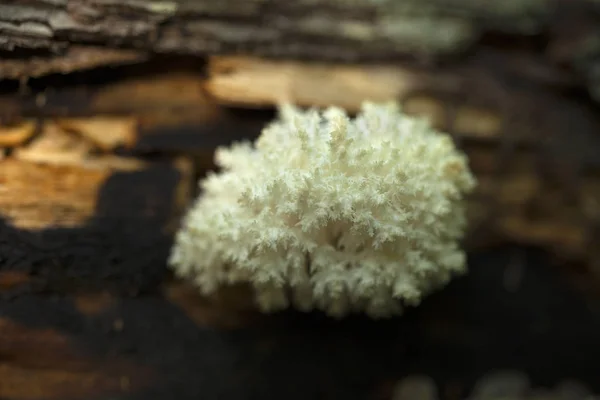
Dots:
(38, 195)
(17, 134)
(55, 145)
(106, 132)
(74, 58)
(167, 106)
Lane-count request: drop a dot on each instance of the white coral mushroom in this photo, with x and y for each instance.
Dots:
(333, 213)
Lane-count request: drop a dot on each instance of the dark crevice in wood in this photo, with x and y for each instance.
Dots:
(123, 248)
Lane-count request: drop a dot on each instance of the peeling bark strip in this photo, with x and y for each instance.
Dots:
(71, 59)
(75, 228)
(48, 365)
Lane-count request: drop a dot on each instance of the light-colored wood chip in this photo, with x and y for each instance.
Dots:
(56, 146)
(259, 82)
(105, 132)
(16, 135)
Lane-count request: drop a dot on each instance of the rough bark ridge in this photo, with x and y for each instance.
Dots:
(364, 28)
(61, 35)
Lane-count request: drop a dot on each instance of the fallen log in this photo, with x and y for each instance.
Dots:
(98, 164)
(174, 344)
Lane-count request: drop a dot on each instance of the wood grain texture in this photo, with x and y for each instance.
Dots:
(360, 28)
(16, 134)
(70, 59)
(37, 196)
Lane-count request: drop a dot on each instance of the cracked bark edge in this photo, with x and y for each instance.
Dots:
(359, 29)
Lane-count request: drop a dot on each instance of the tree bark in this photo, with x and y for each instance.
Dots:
(324, 29)
(62, 36)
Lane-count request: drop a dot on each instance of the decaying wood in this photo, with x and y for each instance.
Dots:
(73, 142)
(74, 58)
(64, 36)
(67, 204)
(15, 135)
(107, 133)
(94, 179)
(172, 99)
(92, 228)
(169, 97)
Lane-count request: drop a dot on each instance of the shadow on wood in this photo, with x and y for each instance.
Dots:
(511, 311)
(123, 246)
